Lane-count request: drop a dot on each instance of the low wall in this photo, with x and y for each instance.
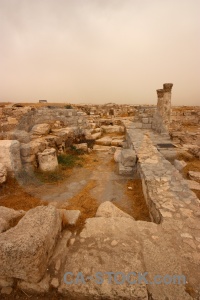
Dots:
(166, 192)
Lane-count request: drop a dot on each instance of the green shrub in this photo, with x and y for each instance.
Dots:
(68, 160)
(68, 106)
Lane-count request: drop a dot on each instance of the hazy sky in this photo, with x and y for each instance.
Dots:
(98, 51)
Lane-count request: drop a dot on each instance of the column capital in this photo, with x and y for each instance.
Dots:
(167, 87)
(160, 93)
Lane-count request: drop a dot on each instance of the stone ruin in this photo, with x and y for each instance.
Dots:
(35, 254)
(162, 116)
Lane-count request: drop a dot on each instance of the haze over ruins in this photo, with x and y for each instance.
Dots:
(99, 150)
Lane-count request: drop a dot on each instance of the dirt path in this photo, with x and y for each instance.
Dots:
(87, 187)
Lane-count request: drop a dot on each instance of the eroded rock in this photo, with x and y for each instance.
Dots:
(26, 248)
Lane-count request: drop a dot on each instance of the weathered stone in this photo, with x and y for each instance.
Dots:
(6, 290)
(113, 129)
(35, 288)
(3, 173)
(96, 135)
(10, 155)
(32, 148)
(4, 225)
(117, 155)
(116, 142)
(48, 161)
(109, 210)
(105, 141)
(82, 146)
(69, 217)
(40, 129)
(21, 135)
(10, 215)
(106, 254)
(179, 164)
(193, 185)
(125, 170)
(55, 283)
(5, 282)
(128, 157)
(12, 121)
(26, 248)
(194, 175)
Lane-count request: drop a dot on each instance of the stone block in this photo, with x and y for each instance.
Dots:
(194, 175)
(10, 155)
(48, 161)
(105, 141)
(82, 146)
(125, 170)
(117, 155)
(40, 129)
(3, 173)
(145, 120)
(26, 248)
(69, 217)
(117, 142)
(128, 157)
(109, 210)
(179, 164)
(146, 126)
(96, 135)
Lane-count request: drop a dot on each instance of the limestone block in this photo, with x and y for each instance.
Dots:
(146, 126)
(179, 164)
(128, 157)
(10, 215)
(82, 146)
(48, 161)
(115, 242)
(105, 141)
(117, 155)
(10, 155)
(125, 170)
(3, 173)
(96, 135)
(194, 175)
(12, 121)
(116, 142)
(145, 120)
(69, 216)
(26, 248)
(193, 185)
(21, 135)
(112, 129)
(35, 288)
(4, 225)
(40, 129)
(5, 282)
(109, 210)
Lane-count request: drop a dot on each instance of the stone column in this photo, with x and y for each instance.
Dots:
(160, 94)
(167, 87)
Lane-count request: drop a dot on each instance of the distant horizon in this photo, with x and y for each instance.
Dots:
(88, 51)
(85, 103)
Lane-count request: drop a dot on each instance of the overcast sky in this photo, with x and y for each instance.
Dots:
(98, 51)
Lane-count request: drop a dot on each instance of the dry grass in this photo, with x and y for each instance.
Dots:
(14, 196)
(138, 207)
(193, 165)
(84, 202)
